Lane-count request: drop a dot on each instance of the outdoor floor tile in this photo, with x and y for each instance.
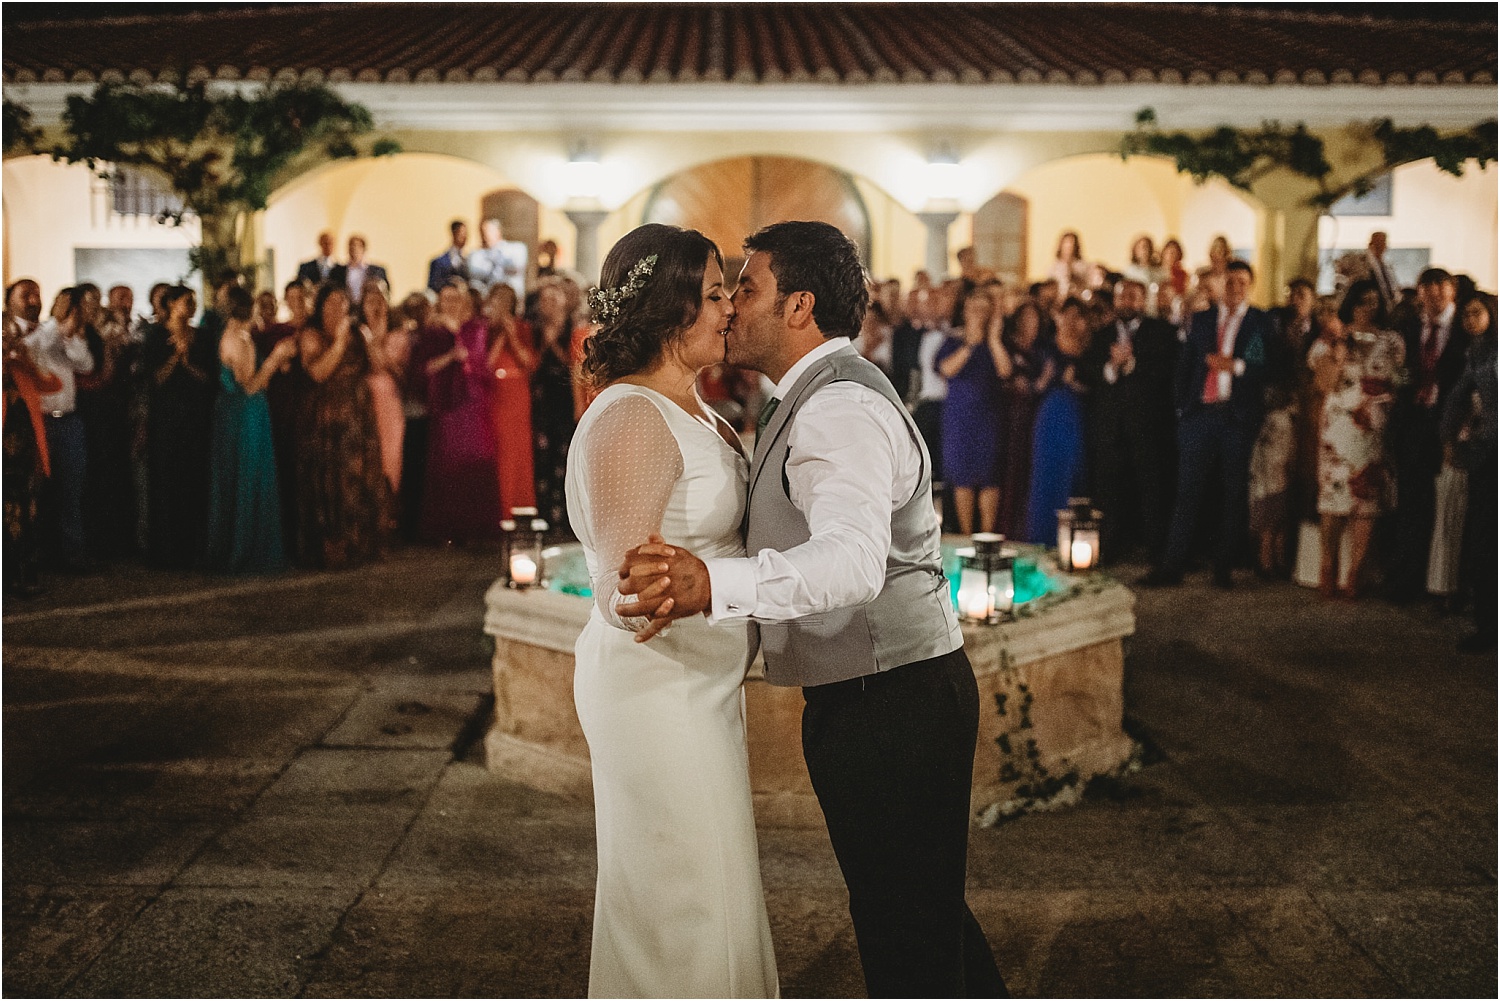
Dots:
(53, 933)
(344, 849)
(130, 852)
(1432, 943)
(323, 779)
(407, 719)
(522, 855)
(493, 944)
(204, 789)
(216, 943)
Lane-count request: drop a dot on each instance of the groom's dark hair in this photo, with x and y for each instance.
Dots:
(817, 258)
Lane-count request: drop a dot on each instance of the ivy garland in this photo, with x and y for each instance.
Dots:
(1244, 156)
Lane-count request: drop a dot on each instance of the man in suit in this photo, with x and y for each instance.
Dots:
(1372, 265)
(846, 587)
(450, 263)
(498, 260)
(1129, 369)
(315, 271)
(1436, 346)
(1220, 380)
(358, 272)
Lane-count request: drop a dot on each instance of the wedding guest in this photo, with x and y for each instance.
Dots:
(1472, 405)
(512, 357)
(1069, 269)
(357, 273)
(1357, 367)
(343, 497)
(460, 501)
(1057, 445)
(1144, 266)
(26, 462)
(973, 362)
(284, 396)
(182, 368)
(105, 398)
(552, 401)
(1436, 347)
(1020, 395)
(497, 260)
(1171, 264)
(59, 349)
(244, 505)
(415, 311)
(450, 263)
(388, 347)
(1128, 369)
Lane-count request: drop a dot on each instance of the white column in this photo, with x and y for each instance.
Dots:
(937, 224)
(586, 253)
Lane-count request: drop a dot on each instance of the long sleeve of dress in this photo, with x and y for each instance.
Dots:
(631, 463)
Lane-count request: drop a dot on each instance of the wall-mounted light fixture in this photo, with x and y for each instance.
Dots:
(584, 174)
(942, 174)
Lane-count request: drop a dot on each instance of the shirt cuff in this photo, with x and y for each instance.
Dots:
(732, 582)
(1239, 367)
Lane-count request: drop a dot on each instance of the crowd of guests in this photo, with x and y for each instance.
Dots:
(1354, 432)
(318, 428)
(315, 429)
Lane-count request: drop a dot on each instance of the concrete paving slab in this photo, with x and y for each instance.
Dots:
(129, 852)
(344, 850)
(470, 792)
(202, 942)
(816, 955)
(460, 944)
(324, 779)
(506, 856)
(193, 788)
(53, 933)
(1432, 943)
(407, 715)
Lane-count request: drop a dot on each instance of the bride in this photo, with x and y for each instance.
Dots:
(679, 910)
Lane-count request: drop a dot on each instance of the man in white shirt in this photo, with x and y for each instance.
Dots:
(845, 585)
(315, 271)
(498, 260)
(58, 348)
(359, 272)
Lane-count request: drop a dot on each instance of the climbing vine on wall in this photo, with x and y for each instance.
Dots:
(1244, 156)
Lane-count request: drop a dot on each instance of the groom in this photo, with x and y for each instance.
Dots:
(845, 583)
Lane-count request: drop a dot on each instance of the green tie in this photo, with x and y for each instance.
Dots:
(765, 415)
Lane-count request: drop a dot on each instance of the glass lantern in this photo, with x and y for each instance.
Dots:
(1078, 536)
(524, 559)
(986, 581)
(507, 545)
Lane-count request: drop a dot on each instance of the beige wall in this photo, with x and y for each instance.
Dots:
(52, 209)
(1109, 202)
(1453, 216)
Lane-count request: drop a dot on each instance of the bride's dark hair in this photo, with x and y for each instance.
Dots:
(633, 330)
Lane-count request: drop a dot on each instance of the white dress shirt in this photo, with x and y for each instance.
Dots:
(1124, 334)
(60, 356)
(1231, 324)
(851, 462)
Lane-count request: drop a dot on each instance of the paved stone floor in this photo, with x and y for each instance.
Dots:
(218, 788)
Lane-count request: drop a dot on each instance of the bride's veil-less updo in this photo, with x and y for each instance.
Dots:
(634, 330)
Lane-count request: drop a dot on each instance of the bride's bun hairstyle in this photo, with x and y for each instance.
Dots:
(818, 258)
(650, 290)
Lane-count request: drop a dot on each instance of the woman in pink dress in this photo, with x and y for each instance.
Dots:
(512, 357)
(461, 499)
(385, 345)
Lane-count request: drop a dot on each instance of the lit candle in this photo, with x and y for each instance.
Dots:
(1083, 555)
(522, 569)
(978, 606)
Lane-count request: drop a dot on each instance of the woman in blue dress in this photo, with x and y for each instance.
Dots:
(1057, 442)
(244, 508)
(974, 363)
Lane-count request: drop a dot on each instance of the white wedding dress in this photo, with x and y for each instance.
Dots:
(679, 910)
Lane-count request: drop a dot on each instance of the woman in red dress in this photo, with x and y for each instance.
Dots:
(512, 357)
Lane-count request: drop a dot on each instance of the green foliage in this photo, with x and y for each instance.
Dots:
(20, 136)
(222, 149)
(1242, 157)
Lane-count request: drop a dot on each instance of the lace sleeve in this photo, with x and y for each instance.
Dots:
(631, 464)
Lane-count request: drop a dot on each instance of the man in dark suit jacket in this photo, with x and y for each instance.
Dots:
(1436, 346)
(1220, 381)
(315, 271)
(1129, 369)
(357, 273)
(451, 262)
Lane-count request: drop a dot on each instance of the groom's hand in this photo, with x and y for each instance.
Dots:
(669, 582)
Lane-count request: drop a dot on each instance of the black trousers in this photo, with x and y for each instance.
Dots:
(891, 757)
(1213, 441)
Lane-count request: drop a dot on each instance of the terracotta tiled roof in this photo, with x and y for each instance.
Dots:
(760, 43)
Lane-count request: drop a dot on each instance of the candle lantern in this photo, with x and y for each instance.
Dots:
(523, 559)
(986, 581)
(507, 545)
(1078, 536)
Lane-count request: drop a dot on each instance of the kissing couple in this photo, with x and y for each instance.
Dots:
(822, 549)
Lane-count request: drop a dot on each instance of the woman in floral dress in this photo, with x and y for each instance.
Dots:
(1357, 366)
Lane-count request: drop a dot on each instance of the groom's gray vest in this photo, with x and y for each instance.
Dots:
(911, 619)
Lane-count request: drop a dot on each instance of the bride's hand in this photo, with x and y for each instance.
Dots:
(656, 569)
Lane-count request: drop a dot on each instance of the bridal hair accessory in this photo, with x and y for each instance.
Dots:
(605, 302)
